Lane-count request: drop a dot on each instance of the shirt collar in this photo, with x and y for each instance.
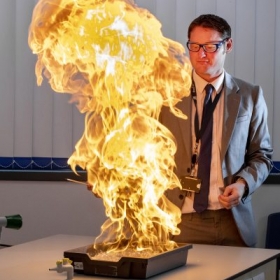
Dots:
(201, 83)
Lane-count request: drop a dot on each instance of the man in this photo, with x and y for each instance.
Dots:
(240, 149)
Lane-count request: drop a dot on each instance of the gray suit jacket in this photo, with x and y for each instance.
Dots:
(246, 149)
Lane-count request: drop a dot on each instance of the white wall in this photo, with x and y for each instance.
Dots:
(36, 122)
(49, 208)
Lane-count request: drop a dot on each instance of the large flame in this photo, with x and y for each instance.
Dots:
(112, 57)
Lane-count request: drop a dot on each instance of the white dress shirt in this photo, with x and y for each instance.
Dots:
(216, 180)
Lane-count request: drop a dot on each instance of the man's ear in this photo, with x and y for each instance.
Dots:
(228, 45)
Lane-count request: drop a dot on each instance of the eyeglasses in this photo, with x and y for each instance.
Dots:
(209, 47)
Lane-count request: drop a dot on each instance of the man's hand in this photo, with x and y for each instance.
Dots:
(232, 194)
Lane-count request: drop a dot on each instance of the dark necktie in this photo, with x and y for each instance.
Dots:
(204, 159)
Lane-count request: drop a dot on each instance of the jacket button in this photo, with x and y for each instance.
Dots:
(181, 196)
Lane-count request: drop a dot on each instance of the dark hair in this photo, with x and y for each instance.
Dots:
(213, 22)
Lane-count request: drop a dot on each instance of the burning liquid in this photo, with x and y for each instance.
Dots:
(111, 56)
(116, 256)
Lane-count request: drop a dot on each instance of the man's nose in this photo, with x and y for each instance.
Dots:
(201, 52)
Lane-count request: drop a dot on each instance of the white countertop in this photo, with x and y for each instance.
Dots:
(32, 260)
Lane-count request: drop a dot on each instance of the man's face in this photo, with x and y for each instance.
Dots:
(208, 65)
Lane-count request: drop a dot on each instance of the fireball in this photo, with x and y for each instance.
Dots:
(111, 56)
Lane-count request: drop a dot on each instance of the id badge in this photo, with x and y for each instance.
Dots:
(191, 184)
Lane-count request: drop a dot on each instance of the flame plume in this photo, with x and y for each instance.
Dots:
(112, 57)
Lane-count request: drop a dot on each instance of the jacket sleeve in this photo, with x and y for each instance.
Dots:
(251, 138)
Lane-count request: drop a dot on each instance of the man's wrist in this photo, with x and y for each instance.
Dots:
(246, 188)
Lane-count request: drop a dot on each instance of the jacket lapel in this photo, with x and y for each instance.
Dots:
(185, 125)
(232, 101)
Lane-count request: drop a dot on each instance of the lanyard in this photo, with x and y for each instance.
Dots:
(199, 132)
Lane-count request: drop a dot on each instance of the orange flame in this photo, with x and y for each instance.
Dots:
(112, 57)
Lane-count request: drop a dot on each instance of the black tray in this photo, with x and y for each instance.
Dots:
(128, 267)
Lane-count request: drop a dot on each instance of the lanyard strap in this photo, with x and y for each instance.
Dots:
(199, 132)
